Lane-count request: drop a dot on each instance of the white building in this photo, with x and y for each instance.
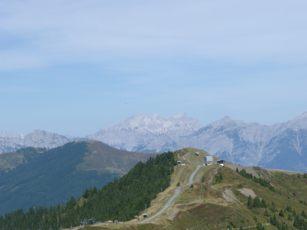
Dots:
(208, 160)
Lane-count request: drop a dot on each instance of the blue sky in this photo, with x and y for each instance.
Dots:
(76, 66)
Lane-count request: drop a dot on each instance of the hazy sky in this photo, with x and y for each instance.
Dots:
(74, 66)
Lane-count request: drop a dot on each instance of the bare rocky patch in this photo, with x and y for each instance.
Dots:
(247, 192)
(229, 196)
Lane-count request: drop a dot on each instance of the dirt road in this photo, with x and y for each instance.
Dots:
(172, 199)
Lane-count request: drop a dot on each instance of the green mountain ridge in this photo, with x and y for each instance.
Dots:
(223, 197)
(177, 191)
(122, 199)
(59, 173)
(11, 160)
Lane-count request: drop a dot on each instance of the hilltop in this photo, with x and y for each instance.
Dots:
(216, 197)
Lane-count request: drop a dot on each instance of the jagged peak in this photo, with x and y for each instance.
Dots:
(157, 123)
(226, 121)
(41, 132)
(299, 122)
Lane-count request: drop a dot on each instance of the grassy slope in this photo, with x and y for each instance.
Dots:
(204, 206)
(215, 213)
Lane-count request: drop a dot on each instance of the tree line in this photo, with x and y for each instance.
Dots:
(120, 200)
(258, 180)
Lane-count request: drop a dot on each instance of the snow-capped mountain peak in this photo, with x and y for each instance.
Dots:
(226, 122)
(282, 145)
(44, 139)
(157, 124)
(37, 138)
(152, 132)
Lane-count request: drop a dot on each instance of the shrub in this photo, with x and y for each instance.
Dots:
(218, 178)
(255, 203)
(258, 180)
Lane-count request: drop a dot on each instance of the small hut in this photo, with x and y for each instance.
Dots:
(208, 160)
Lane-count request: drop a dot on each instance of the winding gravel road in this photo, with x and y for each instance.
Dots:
(172, 199)
(168, 204)
(191, 179)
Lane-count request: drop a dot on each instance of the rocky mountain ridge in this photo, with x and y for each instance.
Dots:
(36, 139)
(282, 146)
(147, 133)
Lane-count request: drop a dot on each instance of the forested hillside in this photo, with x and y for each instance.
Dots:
(10, 161)
(37, 177)
(121, 200)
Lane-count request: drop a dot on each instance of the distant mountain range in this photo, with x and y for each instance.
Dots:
(36, 139)
(150, 133)
(282, 146)
(29, 175)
